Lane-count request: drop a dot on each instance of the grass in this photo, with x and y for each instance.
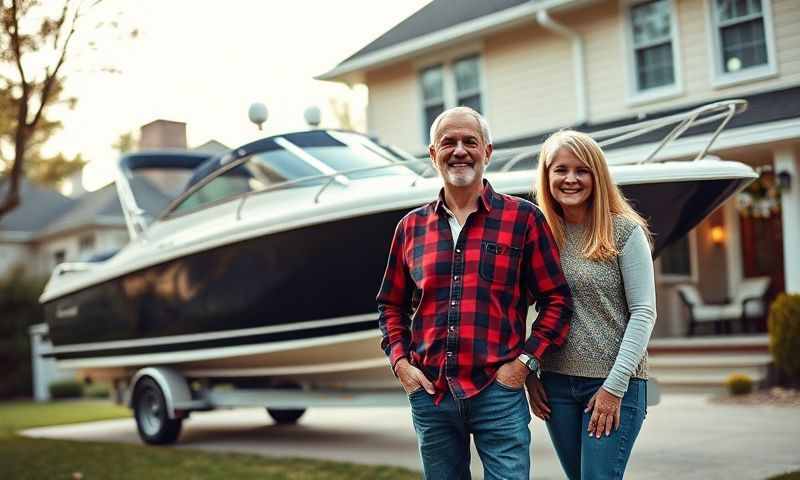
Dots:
(25, 458)
(787, 476)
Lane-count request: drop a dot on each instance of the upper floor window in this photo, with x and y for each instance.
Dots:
(653, 56)
(432, 83)
(742, 31)
(448, 85)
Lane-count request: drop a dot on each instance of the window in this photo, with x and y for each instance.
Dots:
(468, 84)
(432, 82)
(86, 242)
(59, 256)
(742, 39)
(653, 55)
(676, 258)
(446, 85)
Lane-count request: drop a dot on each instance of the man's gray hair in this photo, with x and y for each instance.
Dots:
(485, 133)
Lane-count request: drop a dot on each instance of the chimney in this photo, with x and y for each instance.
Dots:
(161, 134)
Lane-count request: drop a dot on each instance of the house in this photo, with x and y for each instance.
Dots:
(535, 66)
(49, 228)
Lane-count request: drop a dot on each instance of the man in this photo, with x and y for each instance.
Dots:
(465, 268)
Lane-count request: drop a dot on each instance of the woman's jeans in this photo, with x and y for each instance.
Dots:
(498, 417)
(582, 456)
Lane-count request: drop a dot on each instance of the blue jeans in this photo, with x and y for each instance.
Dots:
(582, 456)
(498, 417)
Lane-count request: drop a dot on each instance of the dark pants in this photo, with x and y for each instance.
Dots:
(582, 456)
(498, 418)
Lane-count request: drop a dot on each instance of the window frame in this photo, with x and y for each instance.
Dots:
(634, 96)
(447, 61)
(722, 79)
(694, 264)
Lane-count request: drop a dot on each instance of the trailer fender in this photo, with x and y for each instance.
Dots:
(174, 386)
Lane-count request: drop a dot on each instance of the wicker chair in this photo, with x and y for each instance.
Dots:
(747, 305)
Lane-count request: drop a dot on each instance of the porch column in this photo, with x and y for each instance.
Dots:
(787, 160)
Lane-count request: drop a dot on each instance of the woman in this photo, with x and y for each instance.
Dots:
(593, 392)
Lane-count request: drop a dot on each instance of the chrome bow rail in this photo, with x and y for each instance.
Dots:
(682, 122)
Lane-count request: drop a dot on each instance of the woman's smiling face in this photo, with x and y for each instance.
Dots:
(570, 180)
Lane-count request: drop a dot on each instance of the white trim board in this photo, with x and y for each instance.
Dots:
(463, 31)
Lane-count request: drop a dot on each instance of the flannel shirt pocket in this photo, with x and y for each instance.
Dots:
(499, 263)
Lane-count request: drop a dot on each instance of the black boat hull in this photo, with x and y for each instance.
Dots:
(313, 282)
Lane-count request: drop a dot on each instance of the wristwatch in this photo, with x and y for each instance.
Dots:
(530, 362)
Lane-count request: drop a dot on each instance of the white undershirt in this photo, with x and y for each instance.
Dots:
(455, 227)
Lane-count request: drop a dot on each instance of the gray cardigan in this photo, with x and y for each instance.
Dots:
(615, 309)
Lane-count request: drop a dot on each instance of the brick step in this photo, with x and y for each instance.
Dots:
(709, 378)
(733, 344)
(709, 360)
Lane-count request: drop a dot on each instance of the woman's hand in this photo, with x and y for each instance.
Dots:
(538, 397)
(606, 412)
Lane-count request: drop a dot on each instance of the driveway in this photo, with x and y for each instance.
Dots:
(683, 437)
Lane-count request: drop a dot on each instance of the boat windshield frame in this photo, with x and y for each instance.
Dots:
(240, 156)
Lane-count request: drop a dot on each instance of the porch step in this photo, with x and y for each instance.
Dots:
(704, 363)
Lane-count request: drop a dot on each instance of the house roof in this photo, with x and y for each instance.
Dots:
(762, 108)
(102, 207)
(38, 207)
(439, 23)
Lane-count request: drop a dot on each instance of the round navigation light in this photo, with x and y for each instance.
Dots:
(258, 113)
(312, 116)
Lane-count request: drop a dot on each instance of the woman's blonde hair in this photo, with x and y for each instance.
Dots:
(605, 202)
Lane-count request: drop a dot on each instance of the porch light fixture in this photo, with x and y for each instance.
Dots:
(717, 235)
(784, 181)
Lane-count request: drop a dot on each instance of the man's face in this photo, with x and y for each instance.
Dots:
(459, 152)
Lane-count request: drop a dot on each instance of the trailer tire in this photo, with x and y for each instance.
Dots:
(286, 416)
(152, 419)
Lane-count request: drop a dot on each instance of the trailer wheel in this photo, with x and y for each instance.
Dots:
(152, 420)
(286, 416)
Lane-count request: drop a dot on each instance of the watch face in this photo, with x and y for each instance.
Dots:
(533, 364)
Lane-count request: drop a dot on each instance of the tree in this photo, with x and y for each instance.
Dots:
(35, 43)
(125, 143)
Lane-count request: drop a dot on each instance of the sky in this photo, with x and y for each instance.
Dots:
(198, 63)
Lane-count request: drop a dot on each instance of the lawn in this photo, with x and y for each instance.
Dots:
(24, 458)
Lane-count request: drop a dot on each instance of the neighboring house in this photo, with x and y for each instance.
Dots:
(19, 229)
(49, 228)
(532, 67)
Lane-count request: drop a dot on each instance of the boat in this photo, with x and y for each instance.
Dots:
(262, 264)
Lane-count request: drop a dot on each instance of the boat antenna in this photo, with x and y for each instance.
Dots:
(258, 113)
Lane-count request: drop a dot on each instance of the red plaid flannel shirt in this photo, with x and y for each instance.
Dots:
(459, 314)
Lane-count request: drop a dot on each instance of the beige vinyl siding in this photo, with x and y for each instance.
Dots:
(530, 81)
(394, 113)
(603, 28)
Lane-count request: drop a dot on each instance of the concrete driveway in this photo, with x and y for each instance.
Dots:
(684, 437)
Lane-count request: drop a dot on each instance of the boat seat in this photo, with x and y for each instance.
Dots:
(746, 306)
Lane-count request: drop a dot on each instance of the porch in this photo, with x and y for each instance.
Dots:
(702, 364)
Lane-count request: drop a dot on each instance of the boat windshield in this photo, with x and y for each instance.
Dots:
(302, 159)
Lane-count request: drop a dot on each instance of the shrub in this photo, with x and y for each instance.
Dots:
(97, 390)
(784, 333)
(66, 389)
(19, 309)
(739, 384)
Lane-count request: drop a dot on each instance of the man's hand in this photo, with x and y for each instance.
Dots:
(539, 405)
(513, 374)
(412, 378)
(606, 412)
